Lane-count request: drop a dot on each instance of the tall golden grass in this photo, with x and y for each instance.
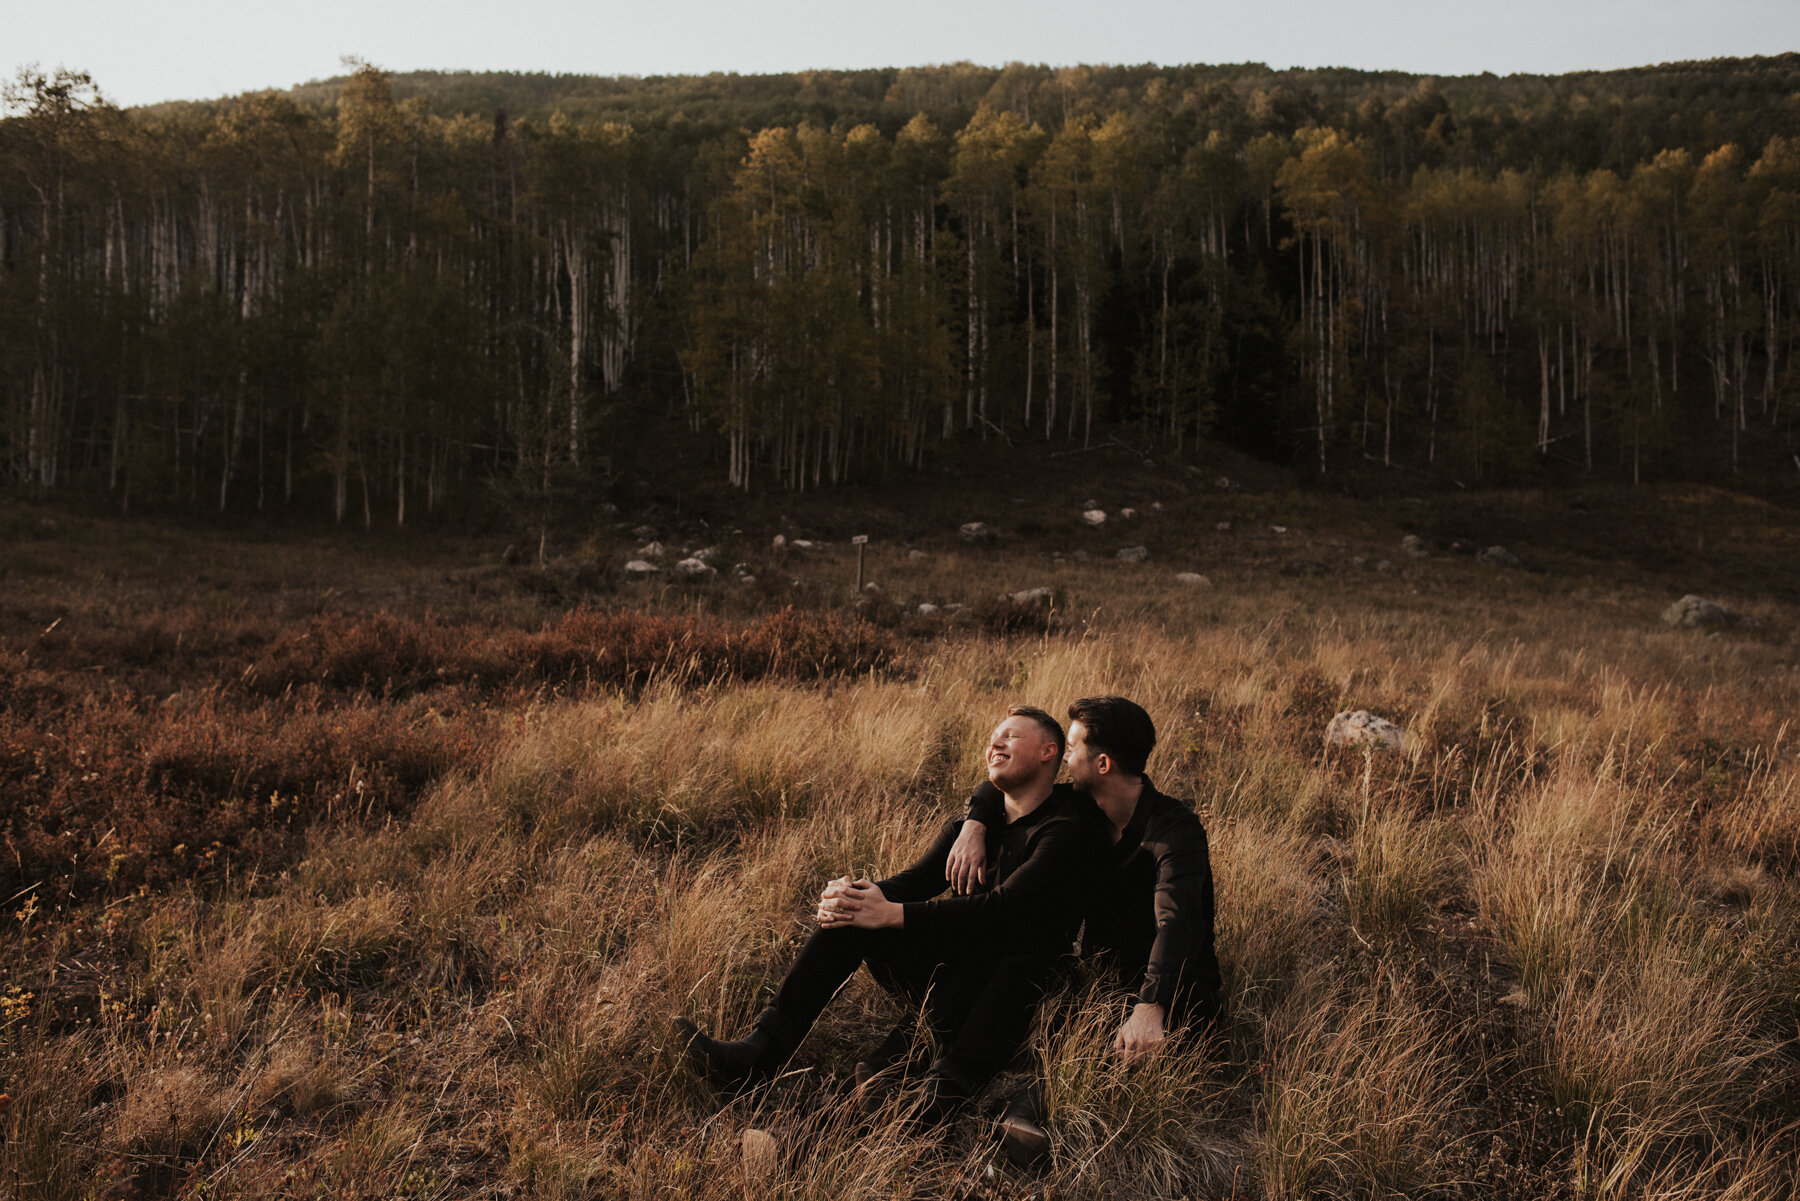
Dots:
(1559, 922)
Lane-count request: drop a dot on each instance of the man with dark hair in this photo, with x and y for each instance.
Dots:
(940, 953)
(1149, 913)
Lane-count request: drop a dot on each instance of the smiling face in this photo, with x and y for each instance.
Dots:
(1085, 763)
(1018, 751)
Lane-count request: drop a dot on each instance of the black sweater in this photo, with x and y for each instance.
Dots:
(1034, 901)
(1151, 907)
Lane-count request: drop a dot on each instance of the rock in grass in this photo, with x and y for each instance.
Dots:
(1192, 579)
(975, 533)
(927, 609)
(653, 550)
(1362, 728)
(1093, 517)
(1414, 547)
(696, 569)
(1040, 597)
(1696, 612)
(1133, 554)
(762, 1154)
(1499, 556)
(637, 569)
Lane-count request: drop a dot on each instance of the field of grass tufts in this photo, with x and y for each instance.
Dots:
(334, 876)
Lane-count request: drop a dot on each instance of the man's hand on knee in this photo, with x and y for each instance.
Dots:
(847, 902)
(1142, 1034)
(967, 865)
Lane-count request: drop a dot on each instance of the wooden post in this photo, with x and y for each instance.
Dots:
(862, 544)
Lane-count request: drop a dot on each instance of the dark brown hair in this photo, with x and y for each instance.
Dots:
(1118, 729)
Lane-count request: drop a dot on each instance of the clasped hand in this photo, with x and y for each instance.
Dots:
(847, 902)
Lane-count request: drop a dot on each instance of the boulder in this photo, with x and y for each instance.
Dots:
(709, 555)
(975, 533)
(1192, 579)
(1414, 547)
(1132, 554)
(1033, 596)
(1696, 612)
(1093, 517)
(928, 610)
(696, 569)
(638, 569)
(1127, 514)
(650, 550)
(1362, 728)
(1499, 556)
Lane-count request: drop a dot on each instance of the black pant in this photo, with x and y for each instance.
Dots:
(979, 1006)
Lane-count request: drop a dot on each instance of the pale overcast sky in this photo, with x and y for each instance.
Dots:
(142, 51)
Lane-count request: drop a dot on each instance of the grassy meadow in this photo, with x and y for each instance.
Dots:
(368, 867)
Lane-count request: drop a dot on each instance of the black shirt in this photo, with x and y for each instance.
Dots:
(1151, 907)
(1042, 865)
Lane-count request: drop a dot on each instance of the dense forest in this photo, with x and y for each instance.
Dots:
(371, 297)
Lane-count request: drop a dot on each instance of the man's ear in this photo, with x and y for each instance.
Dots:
(1103, 763)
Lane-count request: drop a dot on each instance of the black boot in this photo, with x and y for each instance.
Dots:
(894, 1050)
(745, 1062)
(937, 1098)
(1023, 1137)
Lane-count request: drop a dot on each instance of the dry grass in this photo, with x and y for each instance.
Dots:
(1559, 923)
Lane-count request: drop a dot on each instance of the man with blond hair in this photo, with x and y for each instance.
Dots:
(938, 952)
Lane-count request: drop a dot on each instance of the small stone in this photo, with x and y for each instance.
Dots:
(643, 532)
(1033, 596)
(805, 544)
(696, 569)
(1499, 556)
(1132, 554)
(1156, 506)
(928, 610)
(1223, 483)
(1224, 527)
(746, 579)
(762, 1154)
(1414, 547)
(872, 588)
(1383, 566)
(976, 533)
(1192, 579)
(1279, 529)
(638, 569)
(1127, 514)
(1093, 517)
(709, 555)
(1090, 503)
(1696, 612)
(779, 542)
(916, 554)
(1360, 727)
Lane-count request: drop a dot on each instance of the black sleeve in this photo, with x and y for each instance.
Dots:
(1182, 955)
(925, 878)
(1044, 893)
(987, 806)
